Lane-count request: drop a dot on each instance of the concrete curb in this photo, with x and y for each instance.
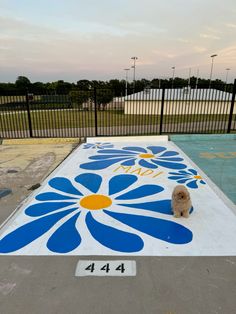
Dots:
(44, 141)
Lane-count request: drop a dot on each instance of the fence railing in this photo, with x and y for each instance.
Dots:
(98, 113)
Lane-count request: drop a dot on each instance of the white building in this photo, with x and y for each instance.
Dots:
(179, 101)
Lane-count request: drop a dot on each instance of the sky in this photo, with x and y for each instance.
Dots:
(49, 40)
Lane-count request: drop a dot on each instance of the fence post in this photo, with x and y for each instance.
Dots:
(28, 114)
(162, 109)
(95, 111)
(231, 108)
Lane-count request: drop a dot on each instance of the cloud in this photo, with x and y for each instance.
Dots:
(209, 36)
(231, 25)
(199, 49)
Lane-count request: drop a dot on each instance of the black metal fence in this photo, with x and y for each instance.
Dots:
(98, 113)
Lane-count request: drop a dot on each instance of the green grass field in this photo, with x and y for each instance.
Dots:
(64, 119)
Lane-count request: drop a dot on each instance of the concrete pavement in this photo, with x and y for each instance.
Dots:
(38, 285)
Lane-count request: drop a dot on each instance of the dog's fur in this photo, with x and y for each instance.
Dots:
(181, 202)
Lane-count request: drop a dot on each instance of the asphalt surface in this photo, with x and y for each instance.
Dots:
(168, 285)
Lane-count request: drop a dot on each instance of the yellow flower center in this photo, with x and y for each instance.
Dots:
(198, 177)
(146, 155)
(95, 202)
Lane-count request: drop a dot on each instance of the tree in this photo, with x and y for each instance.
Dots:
(22, 82)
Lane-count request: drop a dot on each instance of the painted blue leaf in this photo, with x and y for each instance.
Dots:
(147, 164)
(135, 149)
(156, 149)
(91, 181)
(192, 184)
(141, 191)
(29, 232)
(130, 162)
(102, 164)
(41, 209)
(171, 165)
(51, 196)
(64, 185)
(121, 182)
(116, 151)
(164, 230)
(66, 238)
(112, 238)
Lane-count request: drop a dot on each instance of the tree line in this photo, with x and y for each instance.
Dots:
(118, 87)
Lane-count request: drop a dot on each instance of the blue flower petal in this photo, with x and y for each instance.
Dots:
(107, 145)
(66, 238)
(64, 185)
(164, 230)
(135, 149)
(121, 182)
(169, 153)
(147, 164)
(170, 158)
(116, 151)
(156, 149)
(51, 196)
(181, 173)
(112, 238)
(193, 171)
(29, 232)
(202, 182)
(90, 181)
(100, 157)
(102, 164)
(141, 191)
(175, 177)
(129, 162)
(181, 181)
(45, 208)
(163, 207)
(192, 184)
(171, 165)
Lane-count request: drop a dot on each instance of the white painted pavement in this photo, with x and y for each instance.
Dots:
(111, 197)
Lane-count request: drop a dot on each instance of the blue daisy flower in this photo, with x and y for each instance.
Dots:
(152, 158)
(98, 145)
(64, 204)
(189, 176)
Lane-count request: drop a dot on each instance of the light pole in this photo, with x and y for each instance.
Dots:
(173, 76)
(197, 78)
(226, 79)
(126, 80)
(134, 58)
(212, 61)
(189, 75)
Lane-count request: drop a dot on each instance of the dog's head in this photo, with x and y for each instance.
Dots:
(180, 193)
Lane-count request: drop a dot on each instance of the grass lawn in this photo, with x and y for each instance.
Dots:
(64, 119)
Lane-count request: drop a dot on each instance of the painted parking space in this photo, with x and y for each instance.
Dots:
(215, 155)
(113, 197)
